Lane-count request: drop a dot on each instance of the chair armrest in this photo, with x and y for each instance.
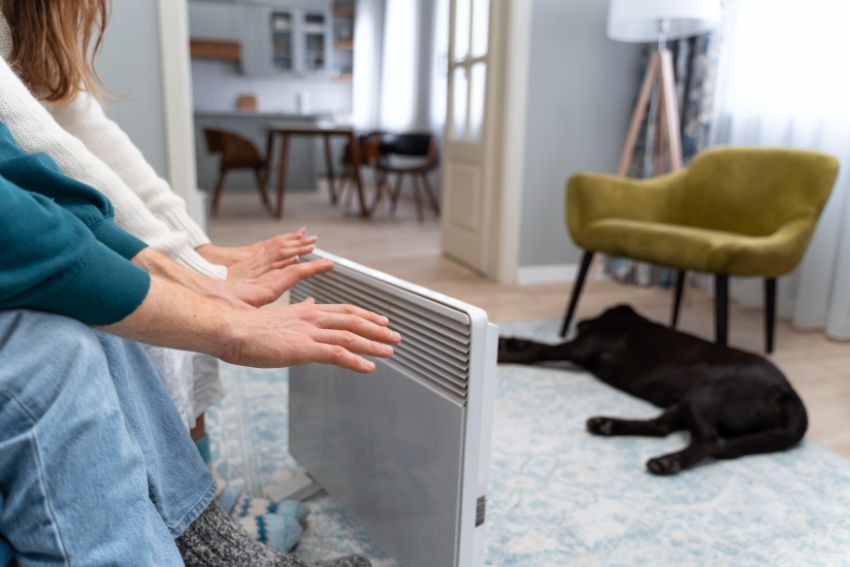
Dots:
(592, 197)
(778, 253)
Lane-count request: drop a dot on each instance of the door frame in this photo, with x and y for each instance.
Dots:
(514, 53)
(179, 124)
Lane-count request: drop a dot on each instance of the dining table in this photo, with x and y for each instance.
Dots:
(287, 131)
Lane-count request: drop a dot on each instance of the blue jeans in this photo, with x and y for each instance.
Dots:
(96, 467)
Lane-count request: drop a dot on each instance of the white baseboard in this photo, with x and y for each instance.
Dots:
(553, 273)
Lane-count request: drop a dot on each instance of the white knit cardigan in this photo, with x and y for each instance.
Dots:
(91, 148)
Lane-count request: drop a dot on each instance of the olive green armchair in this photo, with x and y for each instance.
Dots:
(730, 212)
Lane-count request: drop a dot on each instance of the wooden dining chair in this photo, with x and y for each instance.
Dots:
(236, 153)
(408, 147)
(369, 153)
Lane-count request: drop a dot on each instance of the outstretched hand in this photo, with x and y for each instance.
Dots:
(255, 260)
(267, 288)
(307, 332)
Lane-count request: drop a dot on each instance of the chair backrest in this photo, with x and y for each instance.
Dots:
(410, 145)
(753, 191)
(236, 150)
(217, 139)
(369, 148)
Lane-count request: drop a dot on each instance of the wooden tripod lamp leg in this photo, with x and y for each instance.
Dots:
(670, 108)
(638, 114)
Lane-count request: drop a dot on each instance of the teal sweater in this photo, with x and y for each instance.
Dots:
(60, 250)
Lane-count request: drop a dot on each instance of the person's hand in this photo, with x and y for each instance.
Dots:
(261, 257)
(262, 290)
(306, 333)
(175, 316)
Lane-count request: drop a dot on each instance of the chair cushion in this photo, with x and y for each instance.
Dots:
(690, 248)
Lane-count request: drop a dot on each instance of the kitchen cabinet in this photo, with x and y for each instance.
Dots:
(275, 37)
(278, 39)
(219, 21)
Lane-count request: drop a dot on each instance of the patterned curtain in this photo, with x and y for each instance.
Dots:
(695, 61)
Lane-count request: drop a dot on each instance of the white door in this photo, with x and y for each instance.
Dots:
(469, 136)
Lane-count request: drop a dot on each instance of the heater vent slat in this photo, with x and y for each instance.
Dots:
(413, 314)
(435, 345)
(352, 285)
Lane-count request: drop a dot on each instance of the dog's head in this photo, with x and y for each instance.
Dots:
(613, 319)
(600, 338)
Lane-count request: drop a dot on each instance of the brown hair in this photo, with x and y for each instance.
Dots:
(56, 43)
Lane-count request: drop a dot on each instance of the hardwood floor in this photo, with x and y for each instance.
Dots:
(818, 367)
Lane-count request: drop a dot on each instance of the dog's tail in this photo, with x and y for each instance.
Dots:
(786, 435)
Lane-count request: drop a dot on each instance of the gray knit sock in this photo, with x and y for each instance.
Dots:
(214, 540)
(349, 561)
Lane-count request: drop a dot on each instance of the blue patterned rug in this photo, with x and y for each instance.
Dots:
(559, 496)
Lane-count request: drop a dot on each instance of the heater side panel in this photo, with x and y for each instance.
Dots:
(389, 450)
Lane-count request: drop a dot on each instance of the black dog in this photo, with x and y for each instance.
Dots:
(734, 403)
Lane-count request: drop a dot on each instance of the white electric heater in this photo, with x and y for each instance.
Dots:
(404, 450)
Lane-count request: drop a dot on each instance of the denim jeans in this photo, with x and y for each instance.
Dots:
(96, 467)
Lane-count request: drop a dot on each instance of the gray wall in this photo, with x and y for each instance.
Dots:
(130, 66)
(217, 84)
(581, 89)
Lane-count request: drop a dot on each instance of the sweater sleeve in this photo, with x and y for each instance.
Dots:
(50, 261)
(35, 130)
(84, 118)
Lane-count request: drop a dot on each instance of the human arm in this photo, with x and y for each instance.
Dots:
(278, 336)
(241, 293)
(85, 118)
(35, 130)
(50, 261)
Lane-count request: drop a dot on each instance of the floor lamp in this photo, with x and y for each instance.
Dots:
(651, 21)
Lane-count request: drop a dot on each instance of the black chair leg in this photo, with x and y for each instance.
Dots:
(721, 309)
(571, 307)
(769, 313)
(681, 276)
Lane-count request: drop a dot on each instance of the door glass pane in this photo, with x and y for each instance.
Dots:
(461, 87)
(461, 29)
(480, 27)
(477, 92)
(281, 23)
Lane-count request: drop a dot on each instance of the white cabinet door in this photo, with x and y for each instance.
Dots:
(214, 20)
(278, 40)
(256, 40)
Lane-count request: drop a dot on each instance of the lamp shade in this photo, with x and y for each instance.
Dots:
(640, 20)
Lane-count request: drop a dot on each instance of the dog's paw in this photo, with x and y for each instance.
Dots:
(664, 466)
(600, 426)
(517, 351)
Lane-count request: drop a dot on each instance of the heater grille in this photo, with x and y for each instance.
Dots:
(435, 337)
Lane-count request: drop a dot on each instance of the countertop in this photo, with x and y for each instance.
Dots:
(262, 115)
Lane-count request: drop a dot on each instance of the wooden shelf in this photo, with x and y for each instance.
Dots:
(215, 49)
(344, 11)
(344, 44)
(344, 78)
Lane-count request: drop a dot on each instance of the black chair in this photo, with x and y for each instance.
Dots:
(408, 147)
